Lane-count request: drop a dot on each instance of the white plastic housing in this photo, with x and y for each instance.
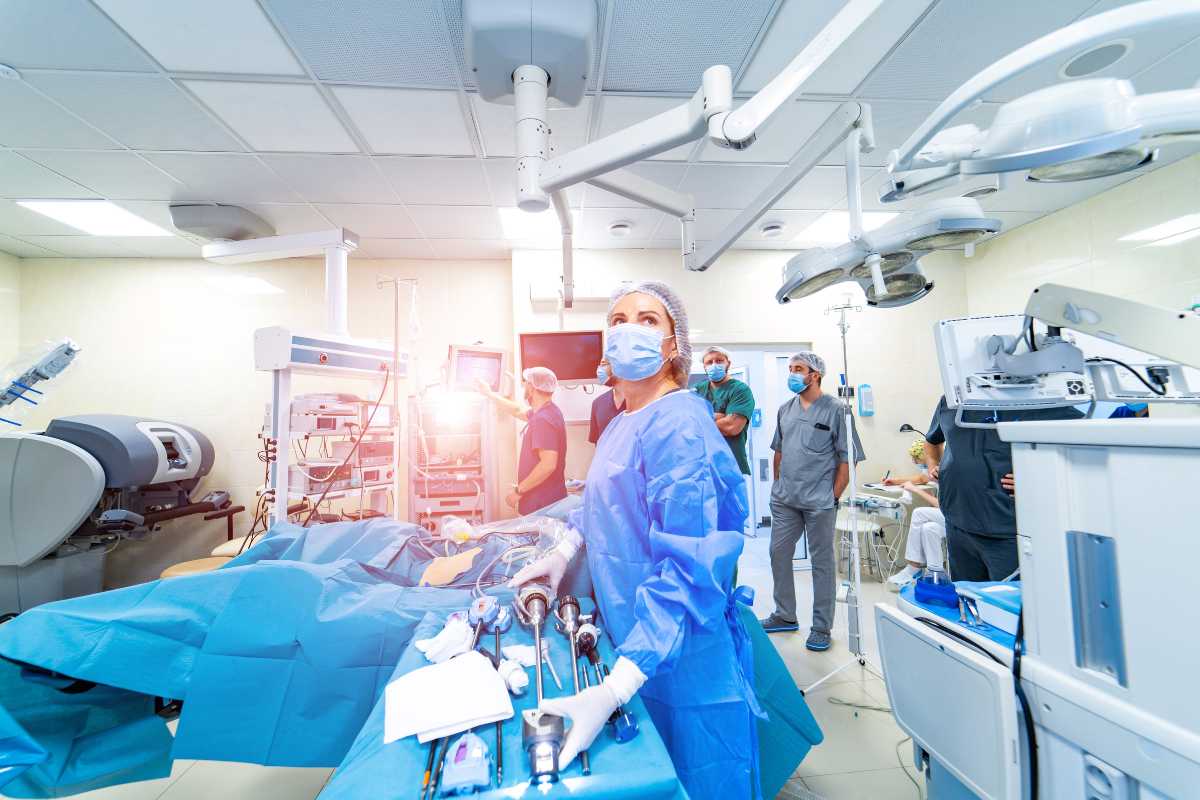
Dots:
(556, 35)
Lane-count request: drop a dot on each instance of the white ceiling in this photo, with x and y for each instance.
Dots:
(361, 113)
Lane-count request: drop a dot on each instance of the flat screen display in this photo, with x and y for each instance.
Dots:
(473, 365)
(571, 355)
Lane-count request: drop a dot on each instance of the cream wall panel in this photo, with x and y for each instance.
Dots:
(173, 339)
(10, 289)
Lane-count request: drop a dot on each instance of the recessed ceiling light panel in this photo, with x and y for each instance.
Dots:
(97, 217)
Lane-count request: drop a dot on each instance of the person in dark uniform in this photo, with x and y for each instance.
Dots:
(606, 406)
(541, 478)
(974, 471)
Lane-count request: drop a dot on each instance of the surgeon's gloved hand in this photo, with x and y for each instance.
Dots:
(551, 567)
(590, 709)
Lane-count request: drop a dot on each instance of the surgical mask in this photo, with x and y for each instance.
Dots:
(715, 372)
(796, 382)
(634, 352)
(602, 374)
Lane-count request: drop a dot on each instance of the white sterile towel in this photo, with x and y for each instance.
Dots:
(445, 699)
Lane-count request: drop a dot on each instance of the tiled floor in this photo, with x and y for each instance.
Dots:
(860, 759)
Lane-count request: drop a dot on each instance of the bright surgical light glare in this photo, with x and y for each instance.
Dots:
(1165, 230)
(833, 227)
(97, 217)
(541, 227)
(1178, 238)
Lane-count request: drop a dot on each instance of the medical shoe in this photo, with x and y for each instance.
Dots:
(777, 624)
(903, 578)
(818, 641)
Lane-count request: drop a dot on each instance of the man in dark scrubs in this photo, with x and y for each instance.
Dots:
(606, 406)
(542, 464)
(973, 468)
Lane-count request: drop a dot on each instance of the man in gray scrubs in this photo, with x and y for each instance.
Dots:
(811, 472)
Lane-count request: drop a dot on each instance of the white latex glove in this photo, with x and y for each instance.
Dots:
(552, 566)
(590, 709)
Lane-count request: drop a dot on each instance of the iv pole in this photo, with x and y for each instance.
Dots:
(854, 564)
(414, 335)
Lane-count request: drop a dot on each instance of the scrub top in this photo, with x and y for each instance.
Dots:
(546, 430)
(974, 461)
(604, 411)
(813, 444)
(731, 397)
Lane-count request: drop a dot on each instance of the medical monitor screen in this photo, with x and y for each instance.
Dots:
(571, 355)
(471, 366)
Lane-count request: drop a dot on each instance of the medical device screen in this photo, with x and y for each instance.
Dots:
(572, 355)
(473, 365)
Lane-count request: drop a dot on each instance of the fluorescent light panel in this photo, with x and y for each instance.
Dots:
(833, 227)
(97, 217)
(524, 226)
(1170, 228)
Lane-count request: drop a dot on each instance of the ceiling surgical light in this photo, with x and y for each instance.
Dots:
(1072, 131)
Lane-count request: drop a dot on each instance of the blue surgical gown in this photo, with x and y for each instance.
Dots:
(662, 521)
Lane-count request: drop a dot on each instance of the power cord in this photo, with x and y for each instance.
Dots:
(1026, 709)
(1158, 390)
(907, 774)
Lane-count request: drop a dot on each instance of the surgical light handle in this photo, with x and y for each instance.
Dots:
(1128, 20)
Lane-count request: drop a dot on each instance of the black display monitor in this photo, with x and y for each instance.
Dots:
(571, 355)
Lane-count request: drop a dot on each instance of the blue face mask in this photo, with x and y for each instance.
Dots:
(715, 372)
(602, 375)
(634, 352)
(796, 382)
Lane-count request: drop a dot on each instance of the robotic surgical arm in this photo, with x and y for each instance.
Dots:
(20, 380)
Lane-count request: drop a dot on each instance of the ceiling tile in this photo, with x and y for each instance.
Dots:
(618, 112)
(661, 172)
(19, 221)
(385, 118)
(231, 36)
(142, 112)
(726, 186)
(497, 127)
(797, 22)
(157, 212)
(1179, 70)
(780, 138)
(162, 247)
(656, 46)
(457, 222)
(594, 223)
(117, 175)
(502, 180)
(437, 181)
(473, 249)
(394, 248)
(87, 246)
(793, 222)
(956, 40)
(332, 179)
(30, 120)
(21, 249)
(822, 188)
(1147, 49)
(222, 178)
(292, 218)
(21, 178)
(372, 220)
(371, 41)
(66, 34)
(276, 117)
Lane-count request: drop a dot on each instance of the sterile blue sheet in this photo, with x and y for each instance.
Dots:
(278, 657)
(637, 770)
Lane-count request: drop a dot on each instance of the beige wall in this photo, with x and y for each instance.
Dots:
(173, 339)
(10, 304)
(1082, 246)
(734, 303)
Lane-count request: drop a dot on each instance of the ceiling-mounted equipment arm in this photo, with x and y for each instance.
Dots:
(648, 193)
(1125, 21)
(563, 211)
(1166, 333)
(680, 125)
(848, 117)
(736, 129)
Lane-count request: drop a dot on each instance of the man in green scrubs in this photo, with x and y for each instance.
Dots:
(732, 402)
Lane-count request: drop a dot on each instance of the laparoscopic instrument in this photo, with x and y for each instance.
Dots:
(625, 725)
(568, 619)
(541, 733)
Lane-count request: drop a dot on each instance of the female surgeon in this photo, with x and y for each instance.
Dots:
(662, 519)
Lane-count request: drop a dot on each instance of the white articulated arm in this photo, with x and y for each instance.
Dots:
(563, 211)
(680, 125)
(848, 117)
(1124, 21)
(736, 129)
(648, 193)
